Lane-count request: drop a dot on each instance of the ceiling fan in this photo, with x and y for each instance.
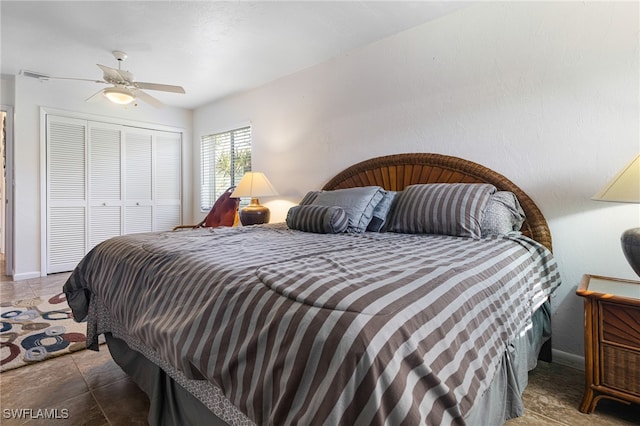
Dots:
(124, 88)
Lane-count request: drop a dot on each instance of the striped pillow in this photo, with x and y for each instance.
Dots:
(308, 198)
(318, 219)
(441, 208)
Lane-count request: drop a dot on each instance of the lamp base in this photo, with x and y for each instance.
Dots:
(631, 247)
(254, 214)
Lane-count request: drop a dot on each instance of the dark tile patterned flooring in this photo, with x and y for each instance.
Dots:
(95, 391)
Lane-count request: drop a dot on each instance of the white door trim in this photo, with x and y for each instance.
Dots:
(9, 230)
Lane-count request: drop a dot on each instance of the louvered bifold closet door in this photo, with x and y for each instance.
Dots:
(138, 208)
(168, 182)
(66, 193)
(105, 182)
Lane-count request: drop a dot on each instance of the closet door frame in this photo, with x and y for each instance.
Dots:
(44, 207)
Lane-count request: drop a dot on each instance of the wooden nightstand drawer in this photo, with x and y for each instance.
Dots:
(621, 369)
(621, 324)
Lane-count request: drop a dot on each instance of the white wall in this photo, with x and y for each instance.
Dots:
(30, 95)
(545, 93)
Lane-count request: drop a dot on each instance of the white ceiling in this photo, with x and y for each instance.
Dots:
(212, 49)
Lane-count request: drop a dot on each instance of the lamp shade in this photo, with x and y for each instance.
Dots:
(624, 187)
(254, 185)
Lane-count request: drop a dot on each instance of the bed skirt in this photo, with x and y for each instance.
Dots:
(172, 404)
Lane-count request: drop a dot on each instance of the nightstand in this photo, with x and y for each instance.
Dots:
(611, 340)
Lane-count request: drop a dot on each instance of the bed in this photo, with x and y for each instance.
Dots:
(279, 324)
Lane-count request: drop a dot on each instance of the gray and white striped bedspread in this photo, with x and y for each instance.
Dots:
(299, 328)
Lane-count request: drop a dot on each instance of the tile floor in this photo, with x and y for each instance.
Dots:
(95, 391)
(88, 384)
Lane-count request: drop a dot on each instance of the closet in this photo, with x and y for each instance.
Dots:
(105, 180)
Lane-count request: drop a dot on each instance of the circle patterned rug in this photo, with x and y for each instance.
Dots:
(37, 329)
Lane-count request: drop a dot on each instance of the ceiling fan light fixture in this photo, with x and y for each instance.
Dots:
(119, 96)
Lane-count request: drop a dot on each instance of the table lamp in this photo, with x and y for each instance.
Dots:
(254, 185)
(625, 188)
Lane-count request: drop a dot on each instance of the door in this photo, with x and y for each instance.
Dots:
(138, 208)
(105, 182)
(168, 147)
(66, 193)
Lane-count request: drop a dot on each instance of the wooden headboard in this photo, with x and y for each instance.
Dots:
(395, 172)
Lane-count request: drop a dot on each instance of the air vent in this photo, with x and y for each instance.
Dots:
(33, 74)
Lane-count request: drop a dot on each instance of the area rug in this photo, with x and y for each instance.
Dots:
(37, 329)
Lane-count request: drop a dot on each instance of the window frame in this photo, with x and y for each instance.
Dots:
(212, 184)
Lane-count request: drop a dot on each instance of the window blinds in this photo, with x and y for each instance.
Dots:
(225, 158)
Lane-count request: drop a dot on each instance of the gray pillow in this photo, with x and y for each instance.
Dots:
(503, 215)
(318, 219)
(379, 215)
(441, 208)
(308, 198)
(359, 204)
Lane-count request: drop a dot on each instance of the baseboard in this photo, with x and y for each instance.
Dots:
(570, 360)
(26, 276)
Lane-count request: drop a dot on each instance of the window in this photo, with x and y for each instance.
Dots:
(225, 158)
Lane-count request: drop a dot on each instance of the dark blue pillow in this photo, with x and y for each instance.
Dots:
(379, 216)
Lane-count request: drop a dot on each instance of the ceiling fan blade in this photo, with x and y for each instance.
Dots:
(77, 79)
(34, 74)
(113, 75)
(148, 99)
(95, 97)
(44, 77)
(159, 87)
(109, 73)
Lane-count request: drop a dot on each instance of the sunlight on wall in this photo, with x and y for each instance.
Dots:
(279, 209)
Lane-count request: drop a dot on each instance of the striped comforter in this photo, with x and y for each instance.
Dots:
(299, 328)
